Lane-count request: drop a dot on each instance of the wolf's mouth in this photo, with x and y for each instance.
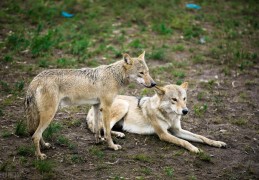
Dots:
(146, 85)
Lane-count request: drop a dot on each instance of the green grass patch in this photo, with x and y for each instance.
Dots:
(239, 121)
(96, 151)
(169, 171)
(26, 150)
(20, 128)
(179, 74)
(178, 47)
(162, 29)
(52, 129)
(204, 157)
(158, 54)
(45, 166)
(142, 157)
(6, 134)
(199, 110)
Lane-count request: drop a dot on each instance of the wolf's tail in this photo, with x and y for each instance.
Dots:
(31, 111)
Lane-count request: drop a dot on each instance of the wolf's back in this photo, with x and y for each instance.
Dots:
(31, 111)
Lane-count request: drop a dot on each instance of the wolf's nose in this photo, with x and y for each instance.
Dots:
(185, 111)
(153, 84)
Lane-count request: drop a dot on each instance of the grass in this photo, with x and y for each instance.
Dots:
(169, 171)
(45, 166)
(199, 110)
(20, 129)
(142, 157)
(52, 129)
(96, 152)
(6, 134)
(204, 157)
(26, 150)
(239, 121)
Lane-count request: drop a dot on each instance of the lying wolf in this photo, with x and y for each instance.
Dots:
(96, 86)
(160, 114)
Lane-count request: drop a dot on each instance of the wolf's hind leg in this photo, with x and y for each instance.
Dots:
(47, 110)
(96, 122)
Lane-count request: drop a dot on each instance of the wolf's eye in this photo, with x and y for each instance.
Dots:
(174, 99)
(184, 99)
(141, 73)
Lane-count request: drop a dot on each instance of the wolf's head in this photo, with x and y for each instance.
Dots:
(173, 98)
(138, 71)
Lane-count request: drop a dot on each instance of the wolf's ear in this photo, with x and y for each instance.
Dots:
(159, 90)
(127, 59)
(142, 56)
(185, 85)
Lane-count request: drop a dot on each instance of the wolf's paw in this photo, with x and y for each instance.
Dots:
(195, 150)
(42, 156)
(219, 144)
(47, 145)
(115, 147)
(120, 134)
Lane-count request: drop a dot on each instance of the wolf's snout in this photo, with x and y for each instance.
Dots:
(185, 111)
(153, 84)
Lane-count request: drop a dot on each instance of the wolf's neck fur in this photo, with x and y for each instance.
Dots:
(118, 71)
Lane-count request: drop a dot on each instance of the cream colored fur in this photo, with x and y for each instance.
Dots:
(159, 114)
(96, 86)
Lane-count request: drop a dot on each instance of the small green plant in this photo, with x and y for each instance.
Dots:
(51, 130)
(198, 59)
(20, 128)
(63, 141)
(204, 157)
(192, 32)
(178, 47)
(63, 62)
(146, 170)
(192, 177)
(179, 74)
(200, 95)
(5, 86)
(142, 157)
(43, 63)
(26, 150)
(239, 121)
(8, 58)
(75, 123)
(76, 159)
(6, 134)
(45, 166)
(92, 63)
(96, 152)
(146, 91)
(162, 29)
(169, 171)
(158, 54)
(179, 82)
(199, 110)
(137, 43)
(19, 85)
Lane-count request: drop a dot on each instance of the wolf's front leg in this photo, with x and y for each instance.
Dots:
(197, 138)
(165, 136)
(107, 128)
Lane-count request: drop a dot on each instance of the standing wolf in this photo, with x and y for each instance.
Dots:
(96, 86)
